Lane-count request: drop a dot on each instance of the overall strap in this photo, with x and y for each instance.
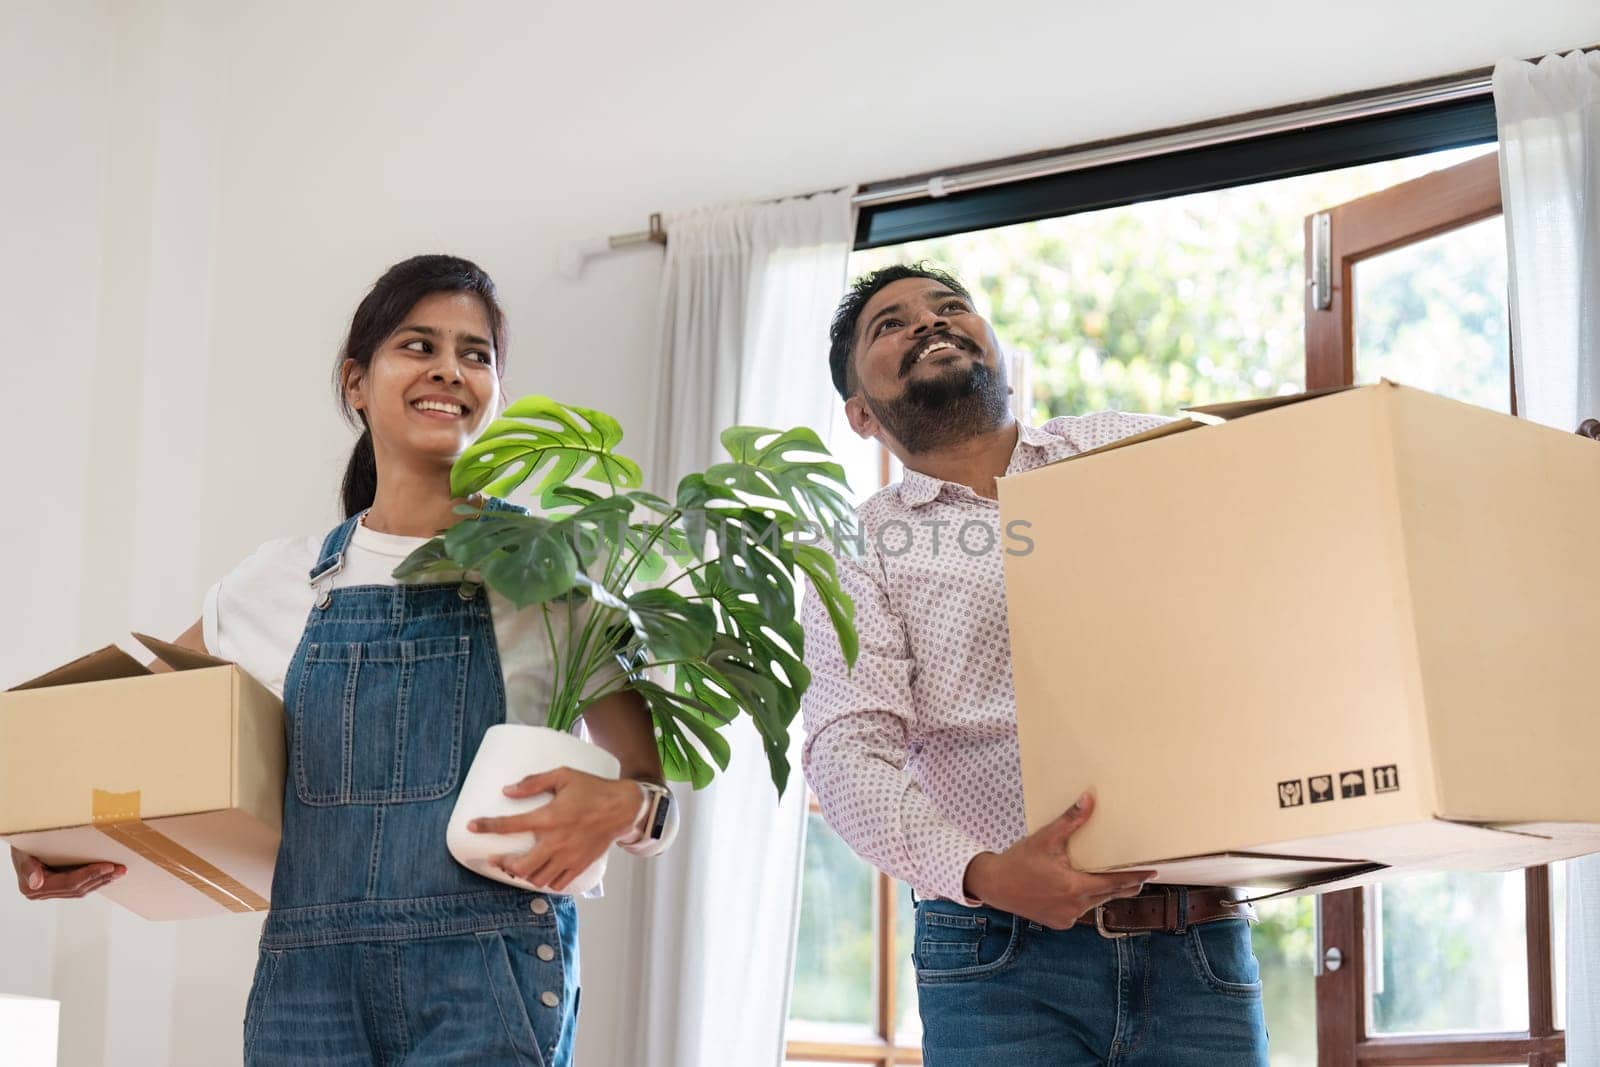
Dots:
(331, 559)
(494, 503)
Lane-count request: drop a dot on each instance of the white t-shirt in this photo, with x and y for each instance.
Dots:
(256, 615)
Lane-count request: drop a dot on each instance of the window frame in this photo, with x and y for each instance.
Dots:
(1390, 134)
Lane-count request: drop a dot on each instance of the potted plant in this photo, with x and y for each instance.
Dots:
(694, 597)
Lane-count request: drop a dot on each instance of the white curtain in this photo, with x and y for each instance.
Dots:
(746, 297)
(1549, 116)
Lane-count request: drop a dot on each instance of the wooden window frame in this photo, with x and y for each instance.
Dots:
(1413, 211)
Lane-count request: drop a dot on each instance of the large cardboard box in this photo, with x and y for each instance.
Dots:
(177, 775)
(1314, 641)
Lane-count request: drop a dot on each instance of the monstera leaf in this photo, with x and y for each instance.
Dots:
(525, 558)
(538, 436)
(777, 465)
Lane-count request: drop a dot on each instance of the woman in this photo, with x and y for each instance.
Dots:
(379, 947)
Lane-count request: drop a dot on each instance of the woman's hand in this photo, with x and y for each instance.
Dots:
(41, 882)
(584, 816)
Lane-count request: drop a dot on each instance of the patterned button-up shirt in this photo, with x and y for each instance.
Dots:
(913, 754)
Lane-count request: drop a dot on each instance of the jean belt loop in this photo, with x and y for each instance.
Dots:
(1182, 926)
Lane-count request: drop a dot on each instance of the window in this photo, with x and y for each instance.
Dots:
(854, 998)
(1166, 282)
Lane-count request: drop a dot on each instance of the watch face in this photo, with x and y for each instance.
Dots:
(658, 818)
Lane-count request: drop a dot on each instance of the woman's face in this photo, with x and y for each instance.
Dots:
(433, 384)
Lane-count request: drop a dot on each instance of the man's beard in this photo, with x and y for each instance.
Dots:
(953, 407)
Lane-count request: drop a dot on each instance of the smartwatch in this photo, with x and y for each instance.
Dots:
(657, 805)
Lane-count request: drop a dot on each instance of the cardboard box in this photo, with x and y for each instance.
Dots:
(177, 775)
(1314, 641)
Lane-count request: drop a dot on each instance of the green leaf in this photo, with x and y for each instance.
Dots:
(537, 436)
(730, 671)
(819, 566)
(675, 713)
(784, 466)
(753, 553)
(670, 625)
(525, 558)
(428, 561)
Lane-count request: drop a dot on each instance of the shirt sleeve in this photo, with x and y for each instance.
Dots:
(858, 722)
(255, 615)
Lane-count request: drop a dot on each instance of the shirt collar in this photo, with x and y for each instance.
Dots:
(917, 488)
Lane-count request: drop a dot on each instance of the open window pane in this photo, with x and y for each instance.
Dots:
(1433, 315)
(1448, 954)
(833, 964)
(1283, 942)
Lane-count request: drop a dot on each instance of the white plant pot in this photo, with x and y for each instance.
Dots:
(509, 753)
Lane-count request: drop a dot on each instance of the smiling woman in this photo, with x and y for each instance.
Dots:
(378, 944)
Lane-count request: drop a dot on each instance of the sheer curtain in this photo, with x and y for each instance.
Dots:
(746, 296)
(1549, 115)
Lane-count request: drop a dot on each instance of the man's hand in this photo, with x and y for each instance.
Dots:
(585, 815)
(40, 882)
(1035, 879)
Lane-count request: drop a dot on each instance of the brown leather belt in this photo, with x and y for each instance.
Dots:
(1167, 909)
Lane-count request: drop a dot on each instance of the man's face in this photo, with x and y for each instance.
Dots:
(927, 368)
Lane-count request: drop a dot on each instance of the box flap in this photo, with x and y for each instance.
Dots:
(1256, 869)
(1166, 429)
(1333, 882)
(102, 666)
(178, 657)
(1206, 415)
(1238, 409)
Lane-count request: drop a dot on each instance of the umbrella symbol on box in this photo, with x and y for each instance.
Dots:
(1353, 784)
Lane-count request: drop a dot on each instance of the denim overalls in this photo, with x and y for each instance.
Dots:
(379, 947)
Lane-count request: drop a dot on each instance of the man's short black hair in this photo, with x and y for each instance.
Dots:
(842, 334)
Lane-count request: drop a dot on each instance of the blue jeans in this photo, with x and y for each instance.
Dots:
(994, 989)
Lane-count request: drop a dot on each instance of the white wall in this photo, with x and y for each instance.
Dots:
(196, 194)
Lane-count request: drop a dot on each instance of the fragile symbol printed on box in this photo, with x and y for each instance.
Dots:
(1321, 788)
(1386, 779)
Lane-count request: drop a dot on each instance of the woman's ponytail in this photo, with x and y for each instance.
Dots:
(360, 477)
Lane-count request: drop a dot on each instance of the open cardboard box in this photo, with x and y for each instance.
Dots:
(1313, 641)
(179, 776)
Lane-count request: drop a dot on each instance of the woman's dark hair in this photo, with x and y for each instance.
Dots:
(842, 331)
(381, 312)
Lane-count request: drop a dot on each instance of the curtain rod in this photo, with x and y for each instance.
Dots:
(1326, 111)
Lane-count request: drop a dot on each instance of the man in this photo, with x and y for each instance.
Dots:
(913, 753)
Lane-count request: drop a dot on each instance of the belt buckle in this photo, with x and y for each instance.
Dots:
(1100, 925)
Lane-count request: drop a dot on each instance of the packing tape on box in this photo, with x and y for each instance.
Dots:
(117, 816)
